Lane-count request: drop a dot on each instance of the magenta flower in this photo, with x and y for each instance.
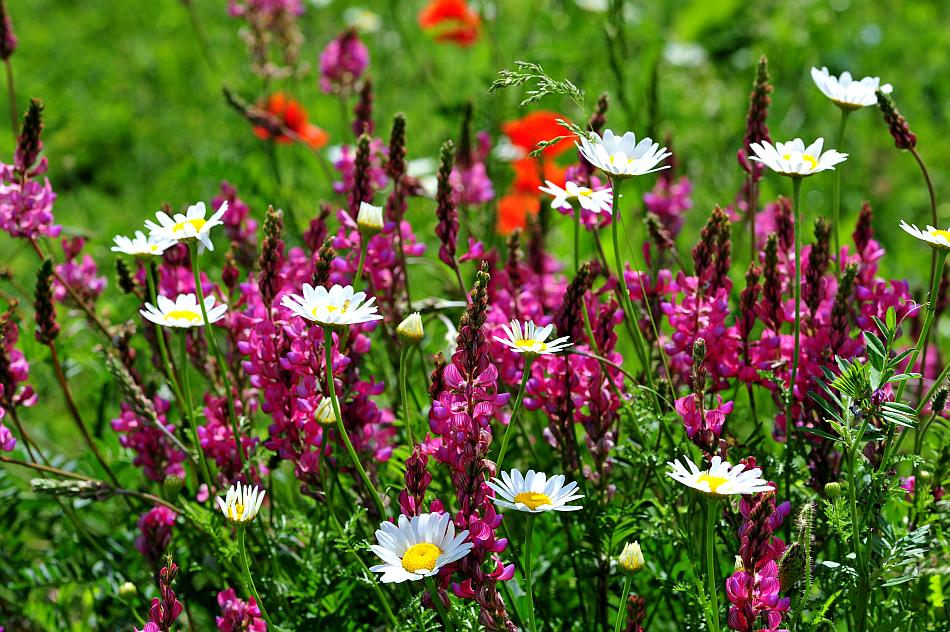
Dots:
(342, 64)
(238, 615)
(155, 527)
(154, 451)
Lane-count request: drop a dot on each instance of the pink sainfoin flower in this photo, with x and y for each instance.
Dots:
(461, 418)
(81, 275)
(217, 438)
(26, 203)
(238, 615)
(669, 201)
(14, 371)
(702, 423)
(469, 177)
(154, 452)
(155, 527)
(342, 64)
(754, 589)
(239, 226)
(166, 608)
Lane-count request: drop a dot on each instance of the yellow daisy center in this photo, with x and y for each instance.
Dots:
(419, 556)
(715, 482)
(811, 160)
(197, 224)
(533, 500)
(940, 233)
(236, 512)
(584, 192)
(534, 346)
(183, 314)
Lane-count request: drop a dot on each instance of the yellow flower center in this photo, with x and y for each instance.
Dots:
(940, 233)
(584, 192)
(531, 345)
(236, 512)
(419, 556)
(183, 314)
(811, 160)
(533, 500)
(331, 309)
(195, 223)
(715, 482)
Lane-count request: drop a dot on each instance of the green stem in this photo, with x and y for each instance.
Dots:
(856, 536)
(711, 564)
(836, 189)
(514, 413)
(529, 589)
(222, 367)
(172, 379)
(790, 397)
(577, 238)
(187, 404)
(359, 267)
(331, 389)
(629, 310)
(622, 610)
(407, 416)
(250, 580)
(434, 593)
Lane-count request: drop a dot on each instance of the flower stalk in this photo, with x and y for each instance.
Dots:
(250, 580)
(514, 412)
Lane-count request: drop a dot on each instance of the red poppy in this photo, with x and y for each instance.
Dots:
(535, 127)
(292, 117)
(451, 21)
(513, 211)
(529, 174)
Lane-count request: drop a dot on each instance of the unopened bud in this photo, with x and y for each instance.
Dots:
(410, 330)
(631, 558)
(325, 414)
(369, 219)
(127, 591)
(172, 486)
(832, 490)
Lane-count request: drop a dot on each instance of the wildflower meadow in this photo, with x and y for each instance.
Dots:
(542, 315)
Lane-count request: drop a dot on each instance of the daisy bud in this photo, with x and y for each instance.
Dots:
(410, 330)
(832, 490)
(325, 414)
(370, 219)
(127, 591)
(631, 558)
(896, 124)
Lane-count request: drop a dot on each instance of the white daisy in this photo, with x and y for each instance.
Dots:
(417, 547)
(531, 339)
(936, 237)
(623, 156)
(190, 225)
(721, 479)
(241, 503)
(140, 245)
(794, 159)
(598, 201)
(631, 558)
(370, 218)
(845, 91)
(184, 311)
(335, 307)
(534, 493)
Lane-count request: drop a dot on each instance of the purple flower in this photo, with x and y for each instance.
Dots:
(342, 63)
(26, 207)
(154, 451)
(238, 615)
(155, 526)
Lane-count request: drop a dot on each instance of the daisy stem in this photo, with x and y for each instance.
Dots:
(359, 266)
(250, 580)
(836, 189)
(434, 593)
(577, 238)
(790, 396)
(222, 367)
(711, 564)
(514, 412)
(403, 393)
(188, 405)
(628, 309)
(622, 609)
(528, 530)
(172, 379)
(341, 429)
